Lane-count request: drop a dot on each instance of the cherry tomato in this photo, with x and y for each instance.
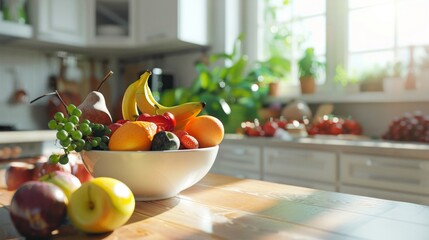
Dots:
(165, 122)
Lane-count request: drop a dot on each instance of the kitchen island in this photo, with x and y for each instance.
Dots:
(221, 207)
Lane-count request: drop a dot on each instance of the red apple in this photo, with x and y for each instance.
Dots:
(37, 208)
(45, 167)
(114, 126)
(17, 173)
(80, 171)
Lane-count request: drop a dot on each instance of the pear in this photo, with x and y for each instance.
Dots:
(94, 109)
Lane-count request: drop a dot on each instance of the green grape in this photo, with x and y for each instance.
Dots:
(70, 108)
(62, 135)
(79, 142)
(107, 131)
(76, 135)
(64, 159)
(71, 147)
(87, 146)
(52, 124)
(69, 126)
(103, 146)
(54, 158)
(77, 112)
(59, 116)
(60, 126)
(86, 121)
(84, 127)
(87, 133)
(65, 142)
(94, 143)
(74, 119)
(105, 139)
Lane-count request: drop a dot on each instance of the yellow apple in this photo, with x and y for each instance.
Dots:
(101, 205)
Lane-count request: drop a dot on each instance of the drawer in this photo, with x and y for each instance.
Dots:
(239, 156)
(385, 194)
(301, 183)
(234, 172)
(389, 173)
(302, 164)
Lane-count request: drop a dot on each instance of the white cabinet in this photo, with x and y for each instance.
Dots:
(238, 161)
(303, 167)
(172, 24)
(404, 175)
(60, 21)
(15, 30)
(111, 23)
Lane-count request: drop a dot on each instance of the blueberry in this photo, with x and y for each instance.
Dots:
(165, 140)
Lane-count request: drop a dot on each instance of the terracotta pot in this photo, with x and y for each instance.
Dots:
(274, 89)
(308, 85)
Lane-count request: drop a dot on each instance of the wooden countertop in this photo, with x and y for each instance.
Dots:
(220, 207)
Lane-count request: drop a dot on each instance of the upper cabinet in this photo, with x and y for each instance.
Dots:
(122, 26)
(111, 23)
(167, 24)
(60, 21)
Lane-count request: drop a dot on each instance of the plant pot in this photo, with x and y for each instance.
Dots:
(274, 89)
(308, 85)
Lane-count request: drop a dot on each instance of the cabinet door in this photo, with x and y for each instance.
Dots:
(383, 194)
(388, 173)
(300, 164)
(241, 161)
(60, 21)
(172, 24)
(112, 23)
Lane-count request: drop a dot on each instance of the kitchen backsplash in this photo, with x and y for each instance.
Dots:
(31, 69)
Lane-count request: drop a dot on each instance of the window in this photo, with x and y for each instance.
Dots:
(361, 35)
(292, 26)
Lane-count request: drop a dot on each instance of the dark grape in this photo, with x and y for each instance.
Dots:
(64, 159)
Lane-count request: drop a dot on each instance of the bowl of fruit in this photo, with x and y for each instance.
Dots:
(157, 151)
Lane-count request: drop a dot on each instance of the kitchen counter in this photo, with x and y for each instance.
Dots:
(27, 136)
(220, 207)
(329, 143)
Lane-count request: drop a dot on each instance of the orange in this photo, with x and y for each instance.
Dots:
(133, 136)
(208, 130)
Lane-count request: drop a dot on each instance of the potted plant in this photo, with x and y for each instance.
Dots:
(271, 72)
(347, 81)
(229, 92)
(309, 68)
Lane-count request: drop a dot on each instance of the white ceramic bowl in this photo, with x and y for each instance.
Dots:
(152, 175)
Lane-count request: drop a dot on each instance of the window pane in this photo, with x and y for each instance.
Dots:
(363, 62)
(303, 8)
(365, 3)
(413, 23)
(312, 31)
(372, 28)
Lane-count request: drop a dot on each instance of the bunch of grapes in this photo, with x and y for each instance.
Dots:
(75, 135)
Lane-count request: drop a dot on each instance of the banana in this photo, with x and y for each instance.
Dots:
(129, 105)
(147, 104)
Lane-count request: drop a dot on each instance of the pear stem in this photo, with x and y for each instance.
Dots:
(104, 79)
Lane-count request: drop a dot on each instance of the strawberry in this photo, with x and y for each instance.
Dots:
(188, 142)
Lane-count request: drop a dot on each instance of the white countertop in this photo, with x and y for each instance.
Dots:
(27, 136)
(411, 149)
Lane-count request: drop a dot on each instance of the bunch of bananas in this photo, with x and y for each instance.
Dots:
(138, 97)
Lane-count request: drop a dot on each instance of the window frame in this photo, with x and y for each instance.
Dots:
(337, 53)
